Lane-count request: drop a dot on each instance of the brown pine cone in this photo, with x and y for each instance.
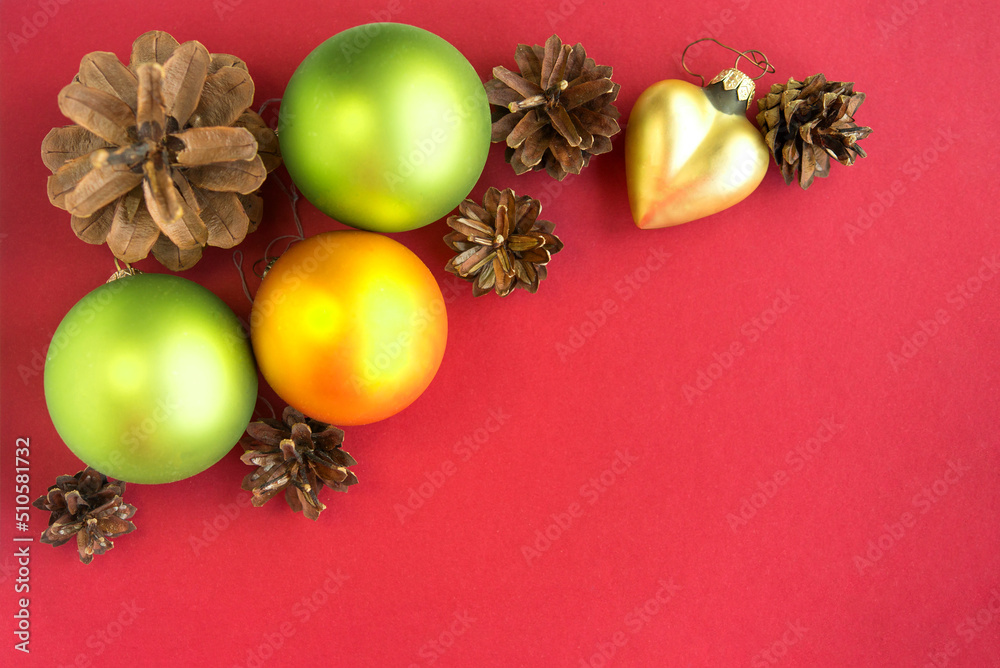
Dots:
(299, 455)
(165, 156)
(557, 113)
(805, 123)
(89, 506)
(501, 245)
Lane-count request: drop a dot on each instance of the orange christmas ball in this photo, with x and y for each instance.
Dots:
(349, 327)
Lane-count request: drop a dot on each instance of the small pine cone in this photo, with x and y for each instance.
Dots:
(88, 506)
(805, 123)
(557, 113)
(299, 455)
(501, 245)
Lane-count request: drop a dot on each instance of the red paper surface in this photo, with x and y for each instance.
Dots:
(540, 424)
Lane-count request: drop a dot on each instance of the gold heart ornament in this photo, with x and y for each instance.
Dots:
(690, 150)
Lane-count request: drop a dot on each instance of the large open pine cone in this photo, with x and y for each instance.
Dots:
(165, 156)
(557, 113)
(805, 123)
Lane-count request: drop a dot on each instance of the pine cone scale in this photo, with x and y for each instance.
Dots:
(331, 458)
(476, 231)
(523, 87)
(114, 526)
(331, 476)
(226, 95)
(569, 157)
(547, 58)
(596, 124)
(105, 115)
(100, 187)
(485, 282)
(501, 95)
(92, 229)
(527, 125)
(563, 124)
(535, 146)
(242, 177)
(267, 140)
(472, 260)
(62, 145)
(184, 76)
(65, 180)
(506, 204)
(132, 234)
(526, 214)
(585, 92)
(503, 277)
(154, 46)
(267, 431)
(520, 243)
(150, 114)
(301, 435)
(226, 219)
(528, 62)
(102, 70)
(73, 501)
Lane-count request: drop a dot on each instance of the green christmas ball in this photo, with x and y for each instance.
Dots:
(150, 379)
(385, 127)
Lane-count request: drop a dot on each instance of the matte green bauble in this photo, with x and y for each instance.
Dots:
(150, 378)
(385, 127)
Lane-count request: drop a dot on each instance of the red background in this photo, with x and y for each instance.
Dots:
(787, 581)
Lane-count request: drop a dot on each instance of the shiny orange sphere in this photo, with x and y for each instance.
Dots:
(349, 327)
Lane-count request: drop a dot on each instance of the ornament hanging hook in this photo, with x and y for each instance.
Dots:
(763, 63)
(129, 270)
